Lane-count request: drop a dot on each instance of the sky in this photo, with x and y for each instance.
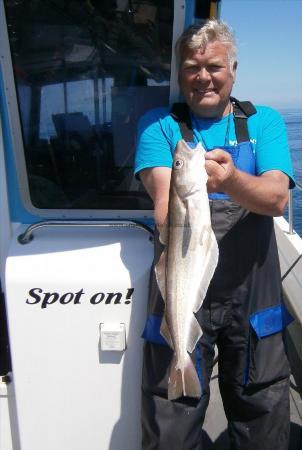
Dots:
(269, 41)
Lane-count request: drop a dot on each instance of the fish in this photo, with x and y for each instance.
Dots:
(186, 265)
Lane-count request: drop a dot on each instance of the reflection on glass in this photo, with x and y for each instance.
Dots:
(85, 72)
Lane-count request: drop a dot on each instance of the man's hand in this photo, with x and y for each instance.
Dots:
(263, 194)
(220, 169)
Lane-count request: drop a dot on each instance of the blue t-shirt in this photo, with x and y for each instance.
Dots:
(158, 134)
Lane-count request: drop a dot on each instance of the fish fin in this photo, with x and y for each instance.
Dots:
(209, 267)
(201, 147)
(187, 232)
(195, 334)
(205, 235)
(160, 273)
(191, 237)
(175, 382)
(191, 381)
(186, 224)
(184, 383)
(165, 332)
(164, 232)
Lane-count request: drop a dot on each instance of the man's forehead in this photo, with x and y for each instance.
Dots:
(213, 50)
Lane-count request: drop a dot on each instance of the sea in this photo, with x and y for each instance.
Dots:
(293, 121)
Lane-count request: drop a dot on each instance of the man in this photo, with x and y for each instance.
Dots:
(249, 170)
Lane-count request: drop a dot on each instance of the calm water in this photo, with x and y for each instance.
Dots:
(293, 120)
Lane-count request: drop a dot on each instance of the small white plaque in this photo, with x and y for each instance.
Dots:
(113, 337)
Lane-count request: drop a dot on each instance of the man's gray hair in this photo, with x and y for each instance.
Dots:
(198, 36)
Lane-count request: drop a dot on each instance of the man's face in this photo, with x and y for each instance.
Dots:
(206, 80)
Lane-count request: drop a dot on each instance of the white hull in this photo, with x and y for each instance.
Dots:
(290, 249)
(77, 385)
(12, 423)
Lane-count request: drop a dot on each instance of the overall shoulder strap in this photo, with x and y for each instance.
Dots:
(242, 111)
(181, 114)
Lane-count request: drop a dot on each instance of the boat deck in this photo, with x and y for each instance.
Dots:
(215, 436)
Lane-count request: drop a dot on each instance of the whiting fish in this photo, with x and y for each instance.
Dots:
(186, 265)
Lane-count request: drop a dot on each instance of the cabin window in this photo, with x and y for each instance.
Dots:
(85, 72)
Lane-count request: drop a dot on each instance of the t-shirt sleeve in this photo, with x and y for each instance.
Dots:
(153, 148)
(272, 151)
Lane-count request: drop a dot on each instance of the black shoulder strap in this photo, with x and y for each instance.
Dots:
(181, 114)
(242, 111)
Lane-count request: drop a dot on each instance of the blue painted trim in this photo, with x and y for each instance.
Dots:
(270, 320)
(189, 13)
(151, 331)
(8, 148)
(17, 210)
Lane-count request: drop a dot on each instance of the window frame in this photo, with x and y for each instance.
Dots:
(19, 195)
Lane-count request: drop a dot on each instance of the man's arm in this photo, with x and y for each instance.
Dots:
(265, 194)
(157, 183)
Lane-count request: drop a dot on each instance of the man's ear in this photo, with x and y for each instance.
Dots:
(235, 65)
(179, 81)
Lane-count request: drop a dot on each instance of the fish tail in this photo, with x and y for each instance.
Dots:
(175, 384)
(183, 382)
(192, 386)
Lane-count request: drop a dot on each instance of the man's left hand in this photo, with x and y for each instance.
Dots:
(220, 169)
(266, 193)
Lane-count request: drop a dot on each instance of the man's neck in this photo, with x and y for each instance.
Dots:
(215, 115)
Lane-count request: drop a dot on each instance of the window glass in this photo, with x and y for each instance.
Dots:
(85, 72)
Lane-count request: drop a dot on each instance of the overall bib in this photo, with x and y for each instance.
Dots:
(243, 315)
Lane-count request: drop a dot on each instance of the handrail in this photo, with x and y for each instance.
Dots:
(291, 209)
(27, 236)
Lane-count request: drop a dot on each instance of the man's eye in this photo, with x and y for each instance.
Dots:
(191, 68)
(214, 67)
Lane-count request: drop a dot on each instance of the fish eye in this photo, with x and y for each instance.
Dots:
(178, 163)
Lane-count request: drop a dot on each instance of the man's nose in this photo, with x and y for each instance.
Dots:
(203, 74)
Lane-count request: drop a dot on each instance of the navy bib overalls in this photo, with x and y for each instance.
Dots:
(243, 316)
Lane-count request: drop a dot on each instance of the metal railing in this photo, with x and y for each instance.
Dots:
(28, 234)
(291, 209)
(26, 237)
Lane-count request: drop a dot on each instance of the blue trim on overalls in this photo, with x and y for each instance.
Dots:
(267, 322)
(151, 331)
(270, 320)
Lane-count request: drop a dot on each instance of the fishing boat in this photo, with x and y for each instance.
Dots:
(76, 227)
